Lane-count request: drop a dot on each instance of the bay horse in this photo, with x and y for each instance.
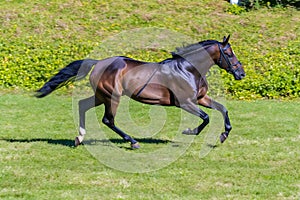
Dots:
(177, 81)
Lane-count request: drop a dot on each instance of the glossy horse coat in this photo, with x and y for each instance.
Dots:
(178, 81)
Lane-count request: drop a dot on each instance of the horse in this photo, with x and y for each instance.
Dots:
(178, 81)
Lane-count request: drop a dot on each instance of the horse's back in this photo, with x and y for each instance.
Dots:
(112, 73)
(105, 71)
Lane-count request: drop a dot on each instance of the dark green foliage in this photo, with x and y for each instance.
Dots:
(258, 3)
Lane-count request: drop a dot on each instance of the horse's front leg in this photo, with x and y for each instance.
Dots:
(210, 103)
(195, 110)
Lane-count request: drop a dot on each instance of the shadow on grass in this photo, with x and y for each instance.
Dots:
(70, 143)
(121, 141)
(109, 142)
(64, 142)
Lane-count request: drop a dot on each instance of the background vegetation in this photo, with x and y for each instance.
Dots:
(40, 37)
(278, 3)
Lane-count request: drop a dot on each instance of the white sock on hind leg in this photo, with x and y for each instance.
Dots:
(82, 131)
(80, 137)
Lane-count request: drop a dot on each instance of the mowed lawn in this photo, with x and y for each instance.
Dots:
(259, 160)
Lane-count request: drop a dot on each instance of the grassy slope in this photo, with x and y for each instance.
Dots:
(47, 35)
(258, 161)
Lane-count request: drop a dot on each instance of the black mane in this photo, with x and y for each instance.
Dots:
(192, 47)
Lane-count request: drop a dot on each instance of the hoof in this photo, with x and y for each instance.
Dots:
(188, 131)
(78, 140)
(223, 137)
(135, 145)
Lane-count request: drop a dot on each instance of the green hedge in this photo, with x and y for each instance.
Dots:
(27, 64)
(275, 74)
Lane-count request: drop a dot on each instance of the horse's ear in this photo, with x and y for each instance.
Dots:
(225, 40)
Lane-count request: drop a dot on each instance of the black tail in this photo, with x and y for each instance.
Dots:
(75, 71)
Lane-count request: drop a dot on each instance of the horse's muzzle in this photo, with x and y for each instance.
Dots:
(239, 73)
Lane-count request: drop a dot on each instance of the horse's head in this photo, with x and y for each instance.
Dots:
(228, 61)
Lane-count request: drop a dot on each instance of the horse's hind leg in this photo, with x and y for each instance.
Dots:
(108, 120)
(85, 105)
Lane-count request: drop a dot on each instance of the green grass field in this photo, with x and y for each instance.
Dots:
(259, 160)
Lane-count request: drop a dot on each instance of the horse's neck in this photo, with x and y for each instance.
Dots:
(199, 59)
(198, 66)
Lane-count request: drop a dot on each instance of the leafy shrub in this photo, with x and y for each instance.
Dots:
(29, 64)
(274, 75)
(235, 9)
